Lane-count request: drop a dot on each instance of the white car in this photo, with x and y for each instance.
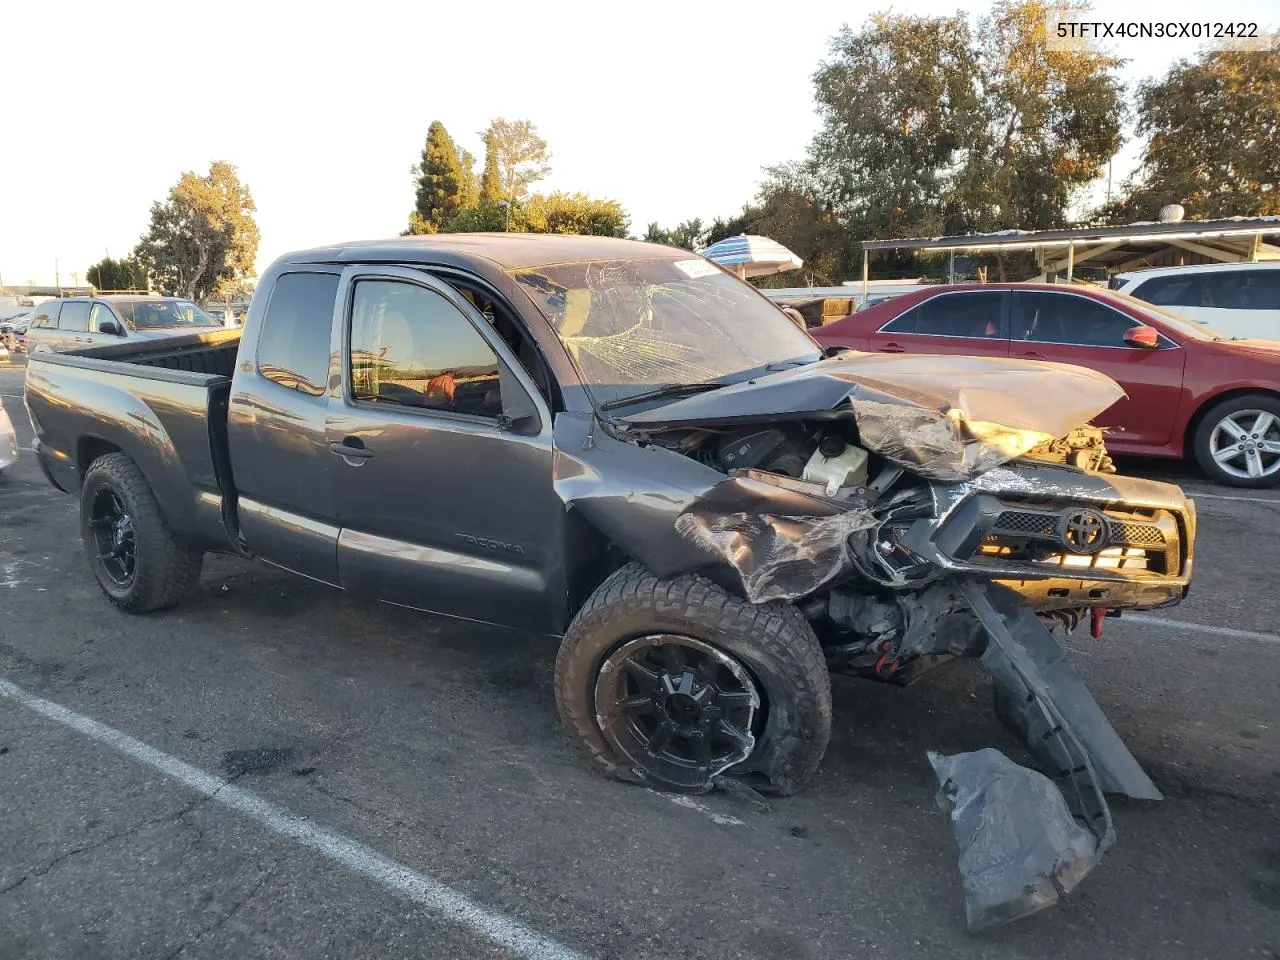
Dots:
(8, 441)
(1237, 299)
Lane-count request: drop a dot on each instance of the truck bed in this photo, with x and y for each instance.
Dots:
(163, 403)
(212, 353)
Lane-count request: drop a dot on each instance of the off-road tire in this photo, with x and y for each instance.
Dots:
(772, 640)
(165, 570)
(1204, 433)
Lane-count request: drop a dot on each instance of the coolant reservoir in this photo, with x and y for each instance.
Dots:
(837, 464)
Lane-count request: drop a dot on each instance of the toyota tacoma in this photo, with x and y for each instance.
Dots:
(624, 445)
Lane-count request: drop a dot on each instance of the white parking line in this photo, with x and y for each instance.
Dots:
(12, 396)
(423, 890)
(1196, 495)
(1200, 628)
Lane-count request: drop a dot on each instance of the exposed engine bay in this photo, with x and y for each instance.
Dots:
(916, 510)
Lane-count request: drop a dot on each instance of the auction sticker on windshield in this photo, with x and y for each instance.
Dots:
(696, 268)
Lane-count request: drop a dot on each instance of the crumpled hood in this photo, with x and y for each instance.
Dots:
(943, 417)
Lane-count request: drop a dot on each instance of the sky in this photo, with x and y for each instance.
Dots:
(670, 108)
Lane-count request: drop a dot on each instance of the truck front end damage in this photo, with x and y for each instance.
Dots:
(916, 509)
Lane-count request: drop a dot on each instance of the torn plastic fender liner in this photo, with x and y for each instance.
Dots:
(781, 543)
(1020, 847)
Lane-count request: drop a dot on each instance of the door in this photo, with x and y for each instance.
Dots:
(969, 323)
(65, 329)
(1074, 328)
(276, 427)
(442, 458)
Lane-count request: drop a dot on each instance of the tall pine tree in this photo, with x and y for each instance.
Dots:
(490, 180)
(440, 180)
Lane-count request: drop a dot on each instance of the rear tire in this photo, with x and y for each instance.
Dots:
(768, 649)
(1227, 431)
(133, 554)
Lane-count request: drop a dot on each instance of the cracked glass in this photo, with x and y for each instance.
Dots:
(632, 326)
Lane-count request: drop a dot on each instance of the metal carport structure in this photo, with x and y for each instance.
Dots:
(1120, 248)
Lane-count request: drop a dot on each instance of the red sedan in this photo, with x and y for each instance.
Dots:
(1190, 390)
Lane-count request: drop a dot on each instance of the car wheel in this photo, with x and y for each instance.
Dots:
(1238, 441)
(132, 552)
(674, 682)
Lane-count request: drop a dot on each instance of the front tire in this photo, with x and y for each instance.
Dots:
(671, 682)
(1238, 441)
(133, 554)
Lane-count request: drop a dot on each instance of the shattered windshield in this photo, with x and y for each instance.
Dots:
(635, 326)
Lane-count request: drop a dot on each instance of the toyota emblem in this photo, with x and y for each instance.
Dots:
(1083, 531)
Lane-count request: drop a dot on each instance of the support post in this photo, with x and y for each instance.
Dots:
(866, 274)
(951, 267)
(1071, 261)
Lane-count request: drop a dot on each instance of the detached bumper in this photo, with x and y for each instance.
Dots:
(1062, 538)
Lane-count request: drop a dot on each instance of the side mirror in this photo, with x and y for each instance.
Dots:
(1148, 338)
(111, 327)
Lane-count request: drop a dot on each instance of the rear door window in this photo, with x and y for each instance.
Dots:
(293, 348)
(74, 316)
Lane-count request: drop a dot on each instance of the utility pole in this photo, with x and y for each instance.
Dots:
(1109, 159)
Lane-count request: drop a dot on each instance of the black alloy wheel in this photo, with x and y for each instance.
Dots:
(678, 707)
(114, 534)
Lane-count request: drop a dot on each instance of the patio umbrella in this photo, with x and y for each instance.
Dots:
(751, 256)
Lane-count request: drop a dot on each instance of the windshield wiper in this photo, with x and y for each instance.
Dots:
(674, 390)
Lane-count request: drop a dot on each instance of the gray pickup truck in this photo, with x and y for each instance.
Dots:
(621, 444)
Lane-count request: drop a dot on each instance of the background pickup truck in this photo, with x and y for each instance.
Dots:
(623, 444)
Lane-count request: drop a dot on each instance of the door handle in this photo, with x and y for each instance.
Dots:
(351, 448)
(1032, 355)
(891, 348)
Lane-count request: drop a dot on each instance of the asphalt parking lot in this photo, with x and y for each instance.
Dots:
(274, 770)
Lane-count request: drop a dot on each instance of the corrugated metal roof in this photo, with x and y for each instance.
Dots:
(1238, 226)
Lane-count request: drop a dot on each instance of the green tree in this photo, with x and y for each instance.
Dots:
(469, 190)
(688, 234)
(485, 217)
(571, 213)
(1052, 120)
(491, 178)
(440, 180)
(556, 213)
(521, 155)
(203, 237)
(897, 100)
(122, 274)
(1213, 129)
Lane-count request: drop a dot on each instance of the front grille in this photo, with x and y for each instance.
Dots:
(1031, 538)
(1034, 524)
(1136, 534)
(1045, 526)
